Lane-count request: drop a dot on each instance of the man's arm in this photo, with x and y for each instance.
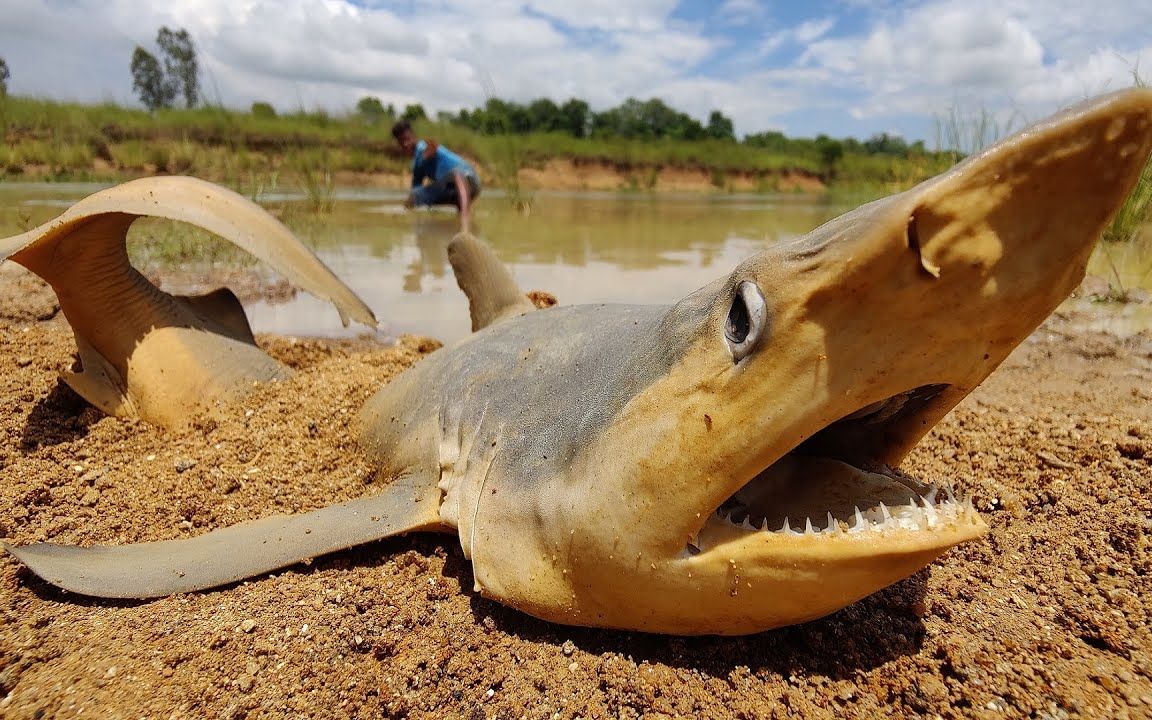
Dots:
(465, 202)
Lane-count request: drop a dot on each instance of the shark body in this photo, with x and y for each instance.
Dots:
(723, 464)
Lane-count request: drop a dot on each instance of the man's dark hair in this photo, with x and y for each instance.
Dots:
(400, 128)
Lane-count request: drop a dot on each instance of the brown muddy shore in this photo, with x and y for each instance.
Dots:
(556, 174)
(1047, 617)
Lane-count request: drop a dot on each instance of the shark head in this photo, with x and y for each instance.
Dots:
(748, 483)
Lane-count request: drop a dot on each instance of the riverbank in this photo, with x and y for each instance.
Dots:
(1043, 618)
(46, 140)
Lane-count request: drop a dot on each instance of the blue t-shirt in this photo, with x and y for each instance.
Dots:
(442, 163)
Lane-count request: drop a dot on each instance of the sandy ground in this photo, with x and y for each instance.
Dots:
(1048, 617)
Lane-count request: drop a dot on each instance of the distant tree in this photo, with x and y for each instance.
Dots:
(830, 153)
(719, 127)
(413, 113)
(371, 109)
(640, 120)
(263, 110)
(885, 144)
(148, 81)
(4, 75)
(544, 116)
(769, 140)
(576, 118)
(180, 66)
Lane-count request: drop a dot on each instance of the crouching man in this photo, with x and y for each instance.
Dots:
(451, 180)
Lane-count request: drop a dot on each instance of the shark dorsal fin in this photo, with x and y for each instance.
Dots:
(493, 294)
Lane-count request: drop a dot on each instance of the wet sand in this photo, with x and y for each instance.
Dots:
(1048, 617)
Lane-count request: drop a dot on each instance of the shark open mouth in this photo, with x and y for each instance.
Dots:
(832, 484)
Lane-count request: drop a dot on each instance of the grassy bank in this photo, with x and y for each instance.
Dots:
(68, 141)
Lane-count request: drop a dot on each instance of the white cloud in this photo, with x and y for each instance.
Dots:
(608, 14)
(811, 30)
(1009, 55)
(740, 10)
(801, 34)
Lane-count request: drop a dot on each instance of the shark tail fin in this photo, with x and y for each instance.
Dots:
(220, 557)
(493, 294)
(178, 351)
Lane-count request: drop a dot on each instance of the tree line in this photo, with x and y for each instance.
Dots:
(160, 81)
(633, 119)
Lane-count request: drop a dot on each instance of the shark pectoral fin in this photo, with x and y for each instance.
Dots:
(197, 202)
(222, 307)
(170, 352)
(493, 294)
(99, 382)
(155, 569)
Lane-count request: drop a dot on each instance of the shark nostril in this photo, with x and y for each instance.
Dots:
(913, 234)
(912, 237)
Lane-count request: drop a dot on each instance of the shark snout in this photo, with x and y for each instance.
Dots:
(935, 286)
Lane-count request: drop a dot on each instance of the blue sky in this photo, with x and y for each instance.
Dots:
(841, 67)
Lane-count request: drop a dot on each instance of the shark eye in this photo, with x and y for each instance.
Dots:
(746, 320)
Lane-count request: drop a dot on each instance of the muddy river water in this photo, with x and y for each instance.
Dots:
(582, 247)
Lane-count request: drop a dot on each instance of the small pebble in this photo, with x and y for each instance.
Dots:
(24, 361)
(184, 464)
(568, 647)
(248, 625)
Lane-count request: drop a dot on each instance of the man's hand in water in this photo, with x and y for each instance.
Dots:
(465, 206)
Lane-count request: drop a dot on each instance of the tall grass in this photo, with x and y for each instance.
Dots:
(1131, 222)
(504, 158)
(1122, 235)
(319, 188)
(961, 132)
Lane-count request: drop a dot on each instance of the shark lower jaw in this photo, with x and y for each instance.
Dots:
(824, 497)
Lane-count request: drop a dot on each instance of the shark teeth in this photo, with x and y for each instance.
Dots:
(922, 513)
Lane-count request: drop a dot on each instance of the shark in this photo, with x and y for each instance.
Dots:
(725, 464)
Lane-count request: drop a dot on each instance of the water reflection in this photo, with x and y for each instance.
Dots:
(583, 247)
